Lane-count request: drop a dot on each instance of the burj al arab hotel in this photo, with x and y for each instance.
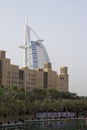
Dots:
(35, 52)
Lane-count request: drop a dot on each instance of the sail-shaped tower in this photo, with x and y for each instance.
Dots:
(35, 52)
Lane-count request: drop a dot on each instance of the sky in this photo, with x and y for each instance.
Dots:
(62, 24)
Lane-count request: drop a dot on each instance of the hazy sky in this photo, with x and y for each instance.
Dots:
(62, 24)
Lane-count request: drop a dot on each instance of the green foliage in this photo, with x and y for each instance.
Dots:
(14, 102)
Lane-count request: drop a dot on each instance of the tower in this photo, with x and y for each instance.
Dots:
(63, 79)
(35, 52)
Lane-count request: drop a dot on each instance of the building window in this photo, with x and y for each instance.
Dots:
(45, 79)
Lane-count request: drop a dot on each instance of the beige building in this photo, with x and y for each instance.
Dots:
(13, 76)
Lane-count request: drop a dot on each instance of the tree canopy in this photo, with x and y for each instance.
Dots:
(15, 103)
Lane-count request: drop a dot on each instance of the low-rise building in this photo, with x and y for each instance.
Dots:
(24, 78)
